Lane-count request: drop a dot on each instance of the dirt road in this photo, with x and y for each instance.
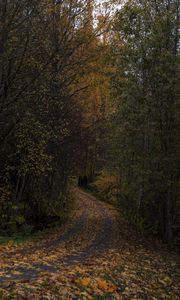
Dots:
(96, 255)
(91, 231)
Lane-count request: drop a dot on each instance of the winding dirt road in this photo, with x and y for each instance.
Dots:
(95, 255)
(92, 230)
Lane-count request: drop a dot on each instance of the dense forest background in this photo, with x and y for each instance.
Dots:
(93, 92)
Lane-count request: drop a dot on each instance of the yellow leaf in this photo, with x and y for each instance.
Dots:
(102, 284)
(85, 281)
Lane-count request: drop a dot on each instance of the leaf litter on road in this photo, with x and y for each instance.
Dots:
(100, 257)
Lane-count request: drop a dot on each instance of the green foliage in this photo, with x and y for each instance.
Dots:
(42, 59)
(144, 123)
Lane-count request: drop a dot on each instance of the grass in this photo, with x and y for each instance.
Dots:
(28, 234)
(23, 237)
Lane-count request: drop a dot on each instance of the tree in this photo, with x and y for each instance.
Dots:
(145, 124)
(42, 71)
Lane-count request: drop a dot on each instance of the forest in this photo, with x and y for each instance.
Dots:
(89, 98)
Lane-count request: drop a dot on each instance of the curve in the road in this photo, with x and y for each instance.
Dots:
(103, 240)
